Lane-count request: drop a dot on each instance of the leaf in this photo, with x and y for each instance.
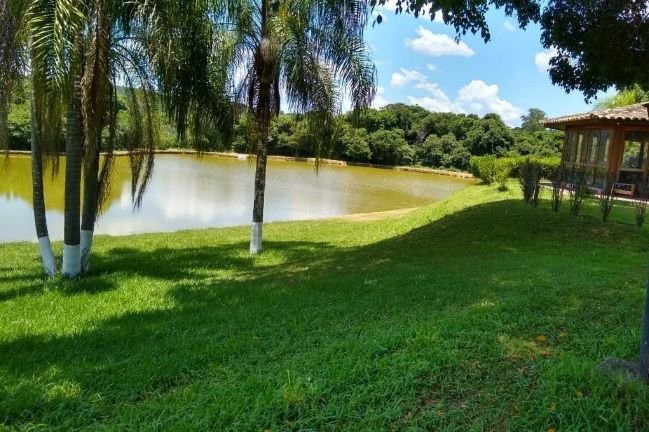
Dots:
(541, 338)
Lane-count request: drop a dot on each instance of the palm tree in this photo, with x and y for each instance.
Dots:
(79, 51)
(38, 194)
(98, 48)
(10, 61)
(12, 67)
(307, 51)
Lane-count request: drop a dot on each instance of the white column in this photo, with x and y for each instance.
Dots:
(47, 255)
(71, 260)
(255, 237)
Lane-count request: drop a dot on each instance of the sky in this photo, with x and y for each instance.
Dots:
(419, 62)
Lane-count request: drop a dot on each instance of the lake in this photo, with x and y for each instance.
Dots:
(187, 192)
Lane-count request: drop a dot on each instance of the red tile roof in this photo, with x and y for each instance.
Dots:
(635, 112)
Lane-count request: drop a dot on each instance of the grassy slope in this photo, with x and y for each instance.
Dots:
(477, 313)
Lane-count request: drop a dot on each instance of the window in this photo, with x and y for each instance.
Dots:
(587, 151)
(570, 146)
(635, 150)
(580, 148)
(602, 151)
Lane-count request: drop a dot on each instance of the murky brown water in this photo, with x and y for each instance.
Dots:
(186, 192)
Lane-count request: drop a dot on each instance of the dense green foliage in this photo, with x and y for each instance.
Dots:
(340, 325)
(629, 96)
(597, 44)
(409, 135)
(491, 169)
(20, 122)
(465, 16)
(395, 135)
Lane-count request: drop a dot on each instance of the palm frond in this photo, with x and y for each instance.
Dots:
(55, 28)
(11, 61)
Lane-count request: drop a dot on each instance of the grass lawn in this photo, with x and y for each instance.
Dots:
(474, 314)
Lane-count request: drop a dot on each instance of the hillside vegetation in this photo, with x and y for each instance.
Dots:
(397, 134)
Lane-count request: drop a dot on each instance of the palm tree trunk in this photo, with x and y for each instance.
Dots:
(89, 213)
(263, 118)
(73, 156)
(38, 197)
(263, 121)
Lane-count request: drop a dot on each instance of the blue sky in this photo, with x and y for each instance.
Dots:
(418, 62)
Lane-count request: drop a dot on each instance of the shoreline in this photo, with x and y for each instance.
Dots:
(352, 217)
(334, 162)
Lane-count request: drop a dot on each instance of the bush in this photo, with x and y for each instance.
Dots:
(530, 173)
(484, 168)
(606, 197)
(558, 189)
(490, 169)
(578, 191)
(640, 205)
(503, 170)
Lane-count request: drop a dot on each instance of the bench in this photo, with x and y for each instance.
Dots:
(626, 189)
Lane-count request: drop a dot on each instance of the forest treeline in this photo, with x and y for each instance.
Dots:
(397, 134)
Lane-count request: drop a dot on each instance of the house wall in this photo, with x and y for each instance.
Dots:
(615, 154)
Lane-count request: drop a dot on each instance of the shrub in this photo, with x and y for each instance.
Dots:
(606, 197)
(502, 170)
(558, 188)
(487, 168)
(640, 205)
(529, 175)
(484, 168)
(578, 191)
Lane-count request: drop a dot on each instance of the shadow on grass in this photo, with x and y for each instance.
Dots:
(233, 322)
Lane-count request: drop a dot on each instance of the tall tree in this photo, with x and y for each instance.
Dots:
(597, 44)
(307, 50)
(81, 50)
(466, 16)
(531, 122)
(13, 65)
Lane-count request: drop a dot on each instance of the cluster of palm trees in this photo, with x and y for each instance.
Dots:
(199, 62)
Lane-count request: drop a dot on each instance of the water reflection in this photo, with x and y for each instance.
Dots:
(186, 192)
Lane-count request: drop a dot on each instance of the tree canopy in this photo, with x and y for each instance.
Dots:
(597, 44)
(466, 16)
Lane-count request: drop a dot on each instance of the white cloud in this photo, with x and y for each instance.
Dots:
(432, 88)
(542, 59)
(379, 100)
(477, 90)
(477, 97)
(431, 67)
(406, 76)
(438, 45)
(509, 26)
(483, 98)
(437, 101)
(435, 104)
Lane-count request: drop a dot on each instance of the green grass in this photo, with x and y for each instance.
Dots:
(474, 314)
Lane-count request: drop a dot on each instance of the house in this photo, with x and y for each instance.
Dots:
(611, 143)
